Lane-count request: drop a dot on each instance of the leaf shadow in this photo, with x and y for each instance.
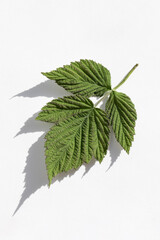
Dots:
(114, 149)
(35, 170)
(44, 89)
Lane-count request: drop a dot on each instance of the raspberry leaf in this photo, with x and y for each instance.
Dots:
(122, 115)
(85, 77)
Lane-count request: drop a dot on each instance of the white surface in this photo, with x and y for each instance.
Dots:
(122, 203)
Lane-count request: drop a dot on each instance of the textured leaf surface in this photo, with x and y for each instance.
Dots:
(85, 77)
(62, 108)
(77, 139)
(122, 115)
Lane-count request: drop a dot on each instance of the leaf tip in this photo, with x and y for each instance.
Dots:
(49, 183)
(127, 150)
(43, 73)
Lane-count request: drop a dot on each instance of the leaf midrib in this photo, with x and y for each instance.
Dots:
(119, 117)
(67, 145)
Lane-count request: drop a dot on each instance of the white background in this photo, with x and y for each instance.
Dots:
(120, 203)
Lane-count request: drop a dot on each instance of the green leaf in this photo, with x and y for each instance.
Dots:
(62, 108)
(81, 130)
(82, 135)
(122, 115)
(85, 77)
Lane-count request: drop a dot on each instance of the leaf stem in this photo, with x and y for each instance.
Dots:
(121, 82)
(102, 98)
(125, 78)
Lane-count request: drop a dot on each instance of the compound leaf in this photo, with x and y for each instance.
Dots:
(81, 131)
(122, 115)
(85, 77)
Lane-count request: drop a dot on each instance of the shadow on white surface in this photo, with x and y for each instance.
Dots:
(35, 170)
(114, 149)
(45, 89)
